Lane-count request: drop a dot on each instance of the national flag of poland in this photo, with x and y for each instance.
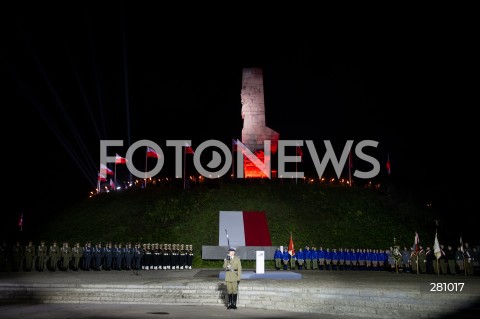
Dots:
(105, 170)
(151, 152)
(120, 160)
(244, 229)
(188, 149)
(112, 184)
(102, 177)
(389, 169)
(234, 145)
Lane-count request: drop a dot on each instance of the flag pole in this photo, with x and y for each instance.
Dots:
(350, 168)
(146, 156)
(233, 159)
(417, 263)
(184, 165)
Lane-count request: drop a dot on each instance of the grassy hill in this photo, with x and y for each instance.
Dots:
(321, 215)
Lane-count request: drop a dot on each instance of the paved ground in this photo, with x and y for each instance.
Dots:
(95, 311)
(310, 278)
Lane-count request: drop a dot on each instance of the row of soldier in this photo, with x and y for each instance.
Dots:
(326, 259)
(460, 261)
(95, 257)
(421, 261)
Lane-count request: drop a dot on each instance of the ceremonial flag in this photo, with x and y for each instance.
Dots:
(120, 160)
(234, 144)
(20, 222)
(151, 152)
(188, 149)
(291, 246)
(105, 170)
(388, 164)
(102, 177)
(436, 247)
(245, 228)
(416, 243)
(112, 184)
(299, 151)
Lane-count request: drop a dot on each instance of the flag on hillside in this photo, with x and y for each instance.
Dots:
(291, 246)
(388, 164)
(436, 247)
(105, 170)
(234, 145)
(188, 149)
(245, 228)
(102, 177)
(120, 160)
(151, 152)
(416, 244)
(20, 222)
(461, 245)
(299, 151)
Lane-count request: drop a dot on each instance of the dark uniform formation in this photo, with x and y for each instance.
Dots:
(98, 257)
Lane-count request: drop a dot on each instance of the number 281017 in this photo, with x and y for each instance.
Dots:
(446, 287)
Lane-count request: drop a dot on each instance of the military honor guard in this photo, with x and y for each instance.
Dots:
(233, 275)
(98, 256)
(128, 255)
(30, 256)
(137, 256)
(87, 256)
(77, 254)
(189, 257)
(54, 255)
(42, 252)
(182, 256)
(277, 257)
(66, 255)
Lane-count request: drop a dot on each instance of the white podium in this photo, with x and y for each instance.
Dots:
(260, 262)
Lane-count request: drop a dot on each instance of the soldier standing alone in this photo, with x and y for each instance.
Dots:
(233, 274)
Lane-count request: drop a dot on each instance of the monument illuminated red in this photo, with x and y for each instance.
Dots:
(254, 130)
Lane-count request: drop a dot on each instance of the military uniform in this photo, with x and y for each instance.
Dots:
(87, 256)
(233, 275)
(77, 255)
(182, 257)
(17, 253)
(128, 254)
(3, 256)
(422, 261)
(137, 256)
(108, 256)
(30, 256)
(189, 257)
(66, 253)
(54, 254)
(98, 255)
(42, 251)
(117, 257)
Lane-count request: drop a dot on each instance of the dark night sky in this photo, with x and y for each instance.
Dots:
(67, 73)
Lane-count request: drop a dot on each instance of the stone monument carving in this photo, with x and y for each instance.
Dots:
(254, 130)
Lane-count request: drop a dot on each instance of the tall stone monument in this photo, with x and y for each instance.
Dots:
(254, 130)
